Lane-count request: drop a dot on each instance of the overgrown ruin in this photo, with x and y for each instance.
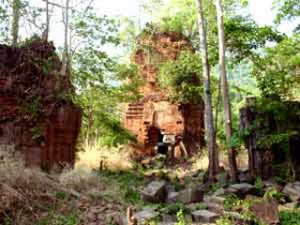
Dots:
(38, 119)
(155, 120)
(270, 129)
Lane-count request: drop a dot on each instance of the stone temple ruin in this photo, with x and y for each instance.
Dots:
(38, 122)
(272, 137)
(156, 122)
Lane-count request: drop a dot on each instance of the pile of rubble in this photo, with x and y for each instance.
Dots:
(204, 206)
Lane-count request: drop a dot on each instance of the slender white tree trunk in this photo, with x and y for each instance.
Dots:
(46, 34)
(66, 56)
(16, 6)
(225, 92)
(209, 126)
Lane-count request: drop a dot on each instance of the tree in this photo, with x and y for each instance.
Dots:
(16, 6)
(47, 27)
(288, 9)
(225, 92)
(66, 57)
(213, 167)
(278, 70)
(99, 78)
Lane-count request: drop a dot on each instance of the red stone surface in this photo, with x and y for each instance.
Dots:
(154, 113)
(33, 118)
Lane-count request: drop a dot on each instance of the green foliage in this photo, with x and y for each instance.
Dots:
(231, 201)
(33, 106)
(129, 183)
(254, 37)
(268, 141)
(5, 19)
(131, 82)
(182, 78)
(36, 133)
(173, 209)
(284, 174)
(180, 218)
(259, 185)
(287, 9)
(273, 193)
(272, 108)
(243, 36)
(201, 206)
(58, 219)
(30, 17)
(277, 72)
(100, 80)
(289, 217)
(224, 221)
(61, 195)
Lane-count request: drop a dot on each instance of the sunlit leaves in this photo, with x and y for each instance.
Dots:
(278, 72)
(288, 9)
(182, 78)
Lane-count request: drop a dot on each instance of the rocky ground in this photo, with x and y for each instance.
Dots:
(189, 201)
(156, 195)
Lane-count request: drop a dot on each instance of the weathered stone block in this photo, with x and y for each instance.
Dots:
(292, 190)
(154, 191)
(266, 211)
(241, 189)
(204, 216)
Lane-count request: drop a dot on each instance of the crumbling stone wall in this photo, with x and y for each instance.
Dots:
(37, 116)
(154, 114)
(271, 131)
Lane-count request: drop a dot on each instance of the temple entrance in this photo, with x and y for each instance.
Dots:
(155, 138)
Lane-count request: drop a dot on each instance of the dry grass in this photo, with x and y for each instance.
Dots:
(79, 179)
(114, 158)
(23, 192)
(200, 162)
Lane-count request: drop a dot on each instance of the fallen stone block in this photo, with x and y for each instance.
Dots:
(266, 211)
(219, 192)
(214, 199)
(146, 214)
(204, 216)
(288, 206)
(292, 190)
(172, 197)
(214, 207)
(190, 195)
(241, 190)
(154, 192)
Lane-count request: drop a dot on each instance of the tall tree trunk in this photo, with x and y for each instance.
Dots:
(225, 93)
(16, 6)
(66, 55)
(213, 167)
(46, 32)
